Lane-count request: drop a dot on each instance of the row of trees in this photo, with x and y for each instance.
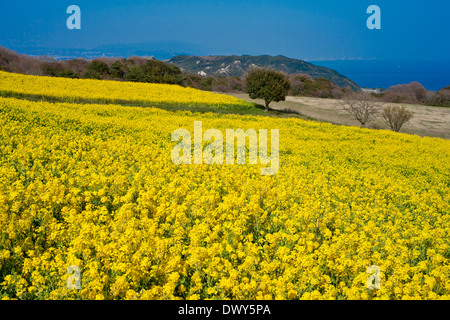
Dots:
(153, 71)
(140, 70)
(145, 70)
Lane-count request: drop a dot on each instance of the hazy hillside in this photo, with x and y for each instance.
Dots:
(237, 66)
(158, 49)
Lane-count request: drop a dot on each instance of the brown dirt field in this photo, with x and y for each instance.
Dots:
(427, 120)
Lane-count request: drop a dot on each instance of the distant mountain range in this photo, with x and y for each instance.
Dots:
(161, 50)
(238, 66)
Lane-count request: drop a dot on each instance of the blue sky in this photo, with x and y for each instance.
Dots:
(310, 30)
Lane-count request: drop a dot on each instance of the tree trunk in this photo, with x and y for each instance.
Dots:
(267, 106)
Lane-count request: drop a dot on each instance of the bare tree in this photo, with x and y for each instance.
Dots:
(396, 116)
(363, 108)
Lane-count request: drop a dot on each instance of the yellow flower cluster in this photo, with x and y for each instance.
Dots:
(112, 91)
(94, 186)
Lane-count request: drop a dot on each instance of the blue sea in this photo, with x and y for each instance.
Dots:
(433, 75)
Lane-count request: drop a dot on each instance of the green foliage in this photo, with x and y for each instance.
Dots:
(207, 83)
(92, 74)
(97, 70)
(68, 73)
(266, 84)
(50, 70)
(55, 70)
(319, 87)
(154, 71)
(116, 70)
(135, 74)
(99, 66)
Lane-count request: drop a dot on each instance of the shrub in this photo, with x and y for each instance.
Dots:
(413, 92)
(207, 83)
(396, 116)
(364, 108)
(304, 85)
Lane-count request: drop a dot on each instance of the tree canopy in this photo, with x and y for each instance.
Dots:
(269, 85)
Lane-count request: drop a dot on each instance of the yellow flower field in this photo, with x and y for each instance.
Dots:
(107, 91)
(94, 186)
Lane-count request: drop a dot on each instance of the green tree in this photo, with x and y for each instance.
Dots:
(155, 71)
(266, 84)
(56, 70)
(135, 74)
(68, 73)
(116, 70)
(97, 70)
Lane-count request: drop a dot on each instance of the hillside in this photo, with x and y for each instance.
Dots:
(95, 186)
(144, 69)
(237, 66)
(82, 90)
